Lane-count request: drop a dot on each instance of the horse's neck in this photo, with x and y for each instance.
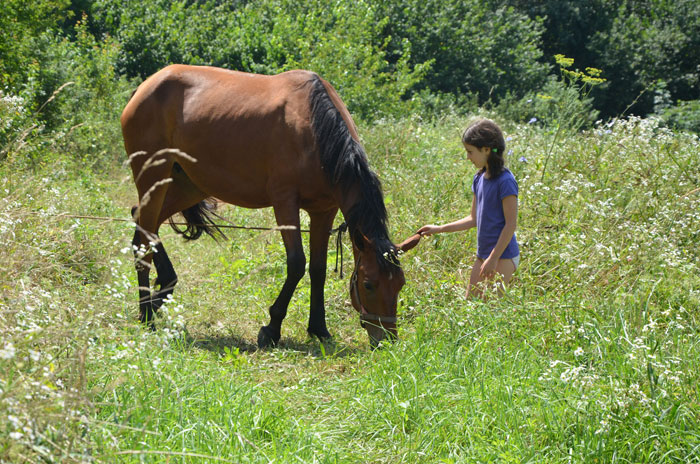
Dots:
(357, 219)
(347, 200)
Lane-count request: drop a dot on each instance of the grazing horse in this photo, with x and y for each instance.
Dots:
(194, 134)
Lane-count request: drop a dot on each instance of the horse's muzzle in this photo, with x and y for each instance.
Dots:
(378, 334)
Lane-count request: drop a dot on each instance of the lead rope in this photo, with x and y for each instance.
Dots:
(339, 246)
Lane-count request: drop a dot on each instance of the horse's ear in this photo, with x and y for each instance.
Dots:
(359, 240)
(409, 243)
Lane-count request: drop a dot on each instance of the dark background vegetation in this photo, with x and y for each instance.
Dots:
(387, 58)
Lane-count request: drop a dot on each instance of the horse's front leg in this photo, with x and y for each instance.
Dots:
(321, 224)
(286, 216)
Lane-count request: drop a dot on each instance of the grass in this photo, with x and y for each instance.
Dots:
(592, 356)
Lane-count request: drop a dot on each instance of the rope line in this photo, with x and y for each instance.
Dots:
(338, 230)
(111, 219)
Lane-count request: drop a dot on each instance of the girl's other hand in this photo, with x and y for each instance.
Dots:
(429, 230)
(488, 268)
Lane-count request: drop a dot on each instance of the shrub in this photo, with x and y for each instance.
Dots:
(340, 41)
(68, 102)
(477, 48)
(685, 115)
(344, 45)
(20, 23)
(562, 102)
(648, 42)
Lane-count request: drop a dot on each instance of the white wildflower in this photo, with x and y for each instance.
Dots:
(8, 352)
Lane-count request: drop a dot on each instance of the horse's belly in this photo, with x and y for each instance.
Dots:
(235, 183)
(235, 189)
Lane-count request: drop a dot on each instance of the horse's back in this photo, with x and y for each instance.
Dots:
(246, 131)
(182, 94)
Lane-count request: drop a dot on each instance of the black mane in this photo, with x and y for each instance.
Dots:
(345, 164)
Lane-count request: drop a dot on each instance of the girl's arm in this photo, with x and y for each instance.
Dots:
(510, 211)
(461, 224)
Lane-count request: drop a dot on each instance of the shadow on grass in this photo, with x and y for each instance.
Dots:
(310, 347)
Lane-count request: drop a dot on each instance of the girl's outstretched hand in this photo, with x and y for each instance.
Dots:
(488, 268)
(428, 230)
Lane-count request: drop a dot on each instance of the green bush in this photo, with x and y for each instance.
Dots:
(639, 43)
(68, 101)
(563, 102)
(341, 41)
(555, 103)
(15, 125)
(685, 115)
(476, 48)
(376, 54)
(157, 33)
(432, 105)
(649, 42)
(21, 22)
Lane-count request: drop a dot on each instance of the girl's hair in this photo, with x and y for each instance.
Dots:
(486, 133)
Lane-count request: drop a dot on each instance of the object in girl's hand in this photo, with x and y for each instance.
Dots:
(410, 242)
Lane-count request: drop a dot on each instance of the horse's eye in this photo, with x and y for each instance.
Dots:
(368, 286)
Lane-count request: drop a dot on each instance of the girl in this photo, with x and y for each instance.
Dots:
(494, 209)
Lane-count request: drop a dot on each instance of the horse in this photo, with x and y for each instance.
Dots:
(199, 135)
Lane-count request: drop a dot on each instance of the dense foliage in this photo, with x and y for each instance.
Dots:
(649, 49)
(386, 58)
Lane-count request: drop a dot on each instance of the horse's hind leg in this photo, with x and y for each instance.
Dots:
(143, 267)
(152, 182)
(181, 194)
(166, 277)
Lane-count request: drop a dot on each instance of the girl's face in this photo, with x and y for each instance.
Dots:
(477, 156)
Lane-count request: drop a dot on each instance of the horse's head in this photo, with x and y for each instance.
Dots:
(375, 285)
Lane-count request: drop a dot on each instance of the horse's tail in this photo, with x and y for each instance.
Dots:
(200, 219)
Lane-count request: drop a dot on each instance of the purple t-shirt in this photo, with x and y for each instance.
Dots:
(490, 220)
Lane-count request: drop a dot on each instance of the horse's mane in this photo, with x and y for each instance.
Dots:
(345, 164)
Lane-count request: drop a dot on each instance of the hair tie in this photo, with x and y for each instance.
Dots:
(495, 150)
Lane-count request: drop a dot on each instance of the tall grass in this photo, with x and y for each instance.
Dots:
(592, 356)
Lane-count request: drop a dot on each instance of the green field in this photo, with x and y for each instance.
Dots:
(593, 355)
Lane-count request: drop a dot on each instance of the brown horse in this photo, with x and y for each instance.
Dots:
(286, 141)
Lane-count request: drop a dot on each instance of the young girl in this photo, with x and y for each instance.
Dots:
(494, 209)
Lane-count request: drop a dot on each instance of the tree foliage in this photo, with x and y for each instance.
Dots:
(341, 41)
(386, 58)
(652, 52)
(475, 48)
(22, 23)
(649, 49)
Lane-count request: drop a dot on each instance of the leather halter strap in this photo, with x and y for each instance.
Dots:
(364, 314)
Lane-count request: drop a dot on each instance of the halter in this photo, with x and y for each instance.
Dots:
(364, 314)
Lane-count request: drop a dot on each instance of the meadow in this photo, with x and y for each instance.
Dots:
(593, 355)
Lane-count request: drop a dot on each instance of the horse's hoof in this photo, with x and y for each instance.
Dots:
(148, 322)
(266, 339)
(150, 325)
(322, 335)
